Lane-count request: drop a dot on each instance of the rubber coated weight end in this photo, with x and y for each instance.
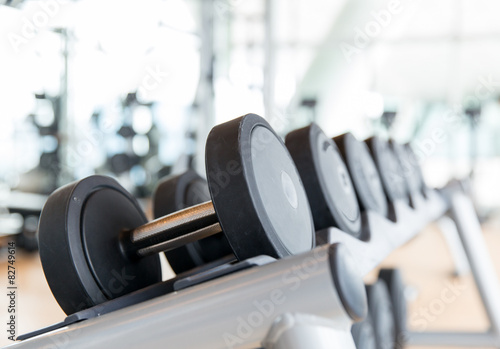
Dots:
(79, 232)
(175, 193)
(364, 335)
(413, 160)
(326, 179)
(364, 174)
(408, 169)
(380, 310)
(389, 169)
(348, 282)
(256, 190)
(394, 281)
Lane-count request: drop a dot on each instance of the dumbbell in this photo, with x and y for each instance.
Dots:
(378, 329)
(413, 160)
(326, 179)
(177, 192)
(96, 245)
(363, 334)
(317, 165)
(381, 313)
(364, 174)
(408, 171)
(410, 167)
(389, 169)
(394, 281)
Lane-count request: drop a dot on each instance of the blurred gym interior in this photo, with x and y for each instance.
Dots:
(131, 89)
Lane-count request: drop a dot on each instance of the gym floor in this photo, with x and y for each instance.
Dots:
(426, 264)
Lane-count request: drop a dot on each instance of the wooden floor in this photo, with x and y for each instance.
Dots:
(426, 264)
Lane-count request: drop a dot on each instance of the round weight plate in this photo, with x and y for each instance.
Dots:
(394, 281)
(79, 232)
(349, 285)
(364, 174)
(176, 193)
(412, 158)
(380, 310)
(363, 334)
(389, 169)
(326, 179)
(256, 190)
(409, 171)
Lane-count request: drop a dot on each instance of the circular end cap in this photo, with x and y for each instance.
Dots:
(380, 310)
(394, 281)
(256, 190)
(408, 169)
(348, 282)
(79, 234)
(175, 193)
(389, 169)
(326, 179)
(363, 335)
(418, 175)
(364, 173)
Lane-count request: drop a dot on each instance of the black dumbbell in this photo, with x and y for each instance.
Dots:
(378, 329)
(363, 334)
(389, 169)
(326, 179)
(414, 162)
(408, 171)
(364, 174)
(95, 243)
(394, 281)
(381, 314)
(410, 168)
(175, 193)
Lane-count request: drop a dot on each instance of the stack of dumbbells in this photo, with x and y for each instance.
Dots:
(262, 200)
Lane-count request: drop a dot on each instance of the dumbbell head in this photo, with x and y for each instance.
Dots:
(364, 174)
(417, 174)
(363, 334)
(389, 169)
(415, 162)
(380, 310)
(79, 234)
(408, 170)
(326, 179)
(95, 245)
(256, 190)
(176, 193)
(394, 282)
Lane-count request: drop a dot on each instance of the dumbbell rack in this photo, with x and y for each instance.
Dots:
(381, 236)
(223, 311)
